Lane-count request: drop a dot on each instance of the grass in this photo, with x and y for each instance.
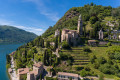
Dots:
(81, 59)
(99, 51)
(79, 56)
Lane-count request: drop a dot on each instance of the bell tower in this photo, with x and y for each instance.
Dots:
(80, 25)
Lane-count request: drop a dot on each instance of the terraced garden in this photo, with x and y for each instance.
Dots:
(80, 57)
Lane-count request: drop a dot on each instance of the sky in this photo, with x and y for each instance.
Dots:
(37, 15)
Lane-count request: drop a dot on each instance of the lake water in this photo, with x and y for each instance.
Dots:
(5, 49)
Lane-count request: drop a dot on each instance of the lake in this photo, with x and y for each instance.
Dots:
(5, 49)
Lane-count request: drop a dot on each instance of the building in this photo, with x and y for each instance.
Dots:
(92, 42)
(80, 26)
(57, 33)
(72, 36)
(52, 43)
(22, 71)
(115, 36)
(31, 75)
(101, 34)
(37, 71)
(109, 36)
(67, 76)
(110, 24)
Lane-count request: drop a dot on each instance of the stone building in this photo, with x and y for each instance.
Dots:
(114, 36)
(37, 71)
(72, 36)
(57, 33)
(67, 76)
(21, 72)
(31, 75)
(101, 34)
(80, 26)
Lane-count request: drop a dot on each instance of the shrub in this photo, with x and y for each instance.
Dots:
(92, 59)
(86, 49)
(77, 68)
(117, 56)
(101, 60)
(93, 19)
(109, 44)
(101, 77)
(65, 45)
(83, 73)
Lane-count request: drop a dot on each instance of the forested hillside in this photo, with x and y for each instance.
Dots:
(11, 34)
(84, 60)
(94, 18)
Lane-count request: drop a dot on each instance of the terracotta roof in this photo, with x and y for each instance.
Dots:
(69, 30)
(68, 74)
(38, 65)
(23, 70)
(33, 72)
(91, 40)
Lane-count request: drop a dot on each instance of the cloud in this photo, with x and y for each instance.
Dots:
(44, 10)
(35, 30)
(5, 22)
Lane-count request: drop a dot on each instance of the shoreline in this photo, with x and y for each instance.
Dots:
(9, 77)
(11, 71)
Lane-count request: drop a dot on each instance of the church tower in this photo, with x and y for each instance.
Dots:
(80, 25)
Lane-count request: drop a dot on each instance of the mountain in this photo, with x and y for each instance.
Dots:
(86, 60)
(91, 15)
(12, 34)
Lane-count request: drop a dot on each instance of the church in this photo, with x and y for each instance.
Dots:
(72, 36)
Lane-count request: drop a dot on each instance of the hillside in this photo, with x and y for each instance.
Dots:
(91, 15)
(12, 34)
(83, 59)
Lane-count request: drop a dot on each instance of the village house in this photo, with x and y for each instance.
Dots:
(37, 71)
(52, 43)
(72, 36)
(22, 71)
(67, 76)
(57, 33)
(31, 75)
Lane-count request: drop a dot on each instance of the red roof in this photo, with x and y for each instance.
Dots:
(23, 70)
(38, 65)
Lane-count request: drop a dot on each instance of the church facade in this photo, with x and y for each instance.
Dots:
(72, 36)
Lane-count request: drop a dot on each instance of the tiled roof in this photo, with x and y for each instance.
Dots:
(38, 65)
(68, 74)
(23, 70)
(91, 40)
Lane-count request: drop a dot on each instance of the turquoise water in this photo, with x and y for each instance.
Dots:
(5, 49)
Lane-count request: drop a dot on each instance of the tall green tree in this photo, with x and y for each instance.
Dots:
(60, 37)
(56, 42)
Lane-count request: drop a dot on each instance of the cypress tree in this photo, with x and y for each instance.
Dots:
(60, 37)
(56, 42)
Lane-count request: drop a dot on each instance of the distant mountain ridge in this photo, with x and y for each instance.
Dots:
(12, 34)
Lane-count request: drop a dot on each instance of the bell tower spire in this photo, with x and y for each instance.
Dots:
(80, 25)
